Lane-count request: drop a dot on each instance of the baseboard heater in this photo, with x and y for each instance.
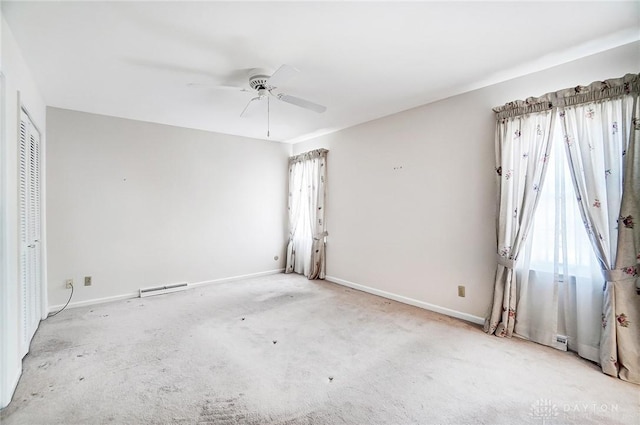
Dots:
(166, 289)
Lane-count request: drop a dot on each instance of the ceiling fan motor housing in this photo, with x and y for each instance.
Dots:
(259, 82)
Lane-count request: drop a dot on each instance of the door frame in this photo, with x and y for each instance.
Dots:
(5, 380)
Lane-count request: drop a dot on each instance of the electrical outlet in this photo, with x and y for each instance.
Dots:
(68, 283)
(87, 281)
(461, 291)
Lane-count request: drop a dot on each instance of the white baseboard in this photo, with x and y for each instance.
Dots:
(231, 279)
(12, 384)
(54, 308)
(406, 300)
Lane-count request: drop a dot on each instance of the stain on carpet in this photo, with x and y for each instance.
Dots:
(224, 411)
(53, 345)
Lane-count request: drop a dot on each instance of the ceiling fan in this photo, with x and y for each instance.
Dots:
(265, 86)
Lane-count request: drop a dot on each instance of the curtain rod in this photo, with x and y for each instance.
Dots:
(598, 90)
(316, 153)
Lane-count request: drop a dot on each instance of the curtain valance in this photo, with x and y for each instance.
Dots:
(598, 90)
(523, 107)
(317, 153)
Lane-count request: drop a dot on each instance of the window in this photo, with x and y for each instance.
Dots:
(560, 300)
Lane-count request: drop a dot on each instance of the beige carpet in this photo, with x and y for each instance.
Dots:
(284, 350)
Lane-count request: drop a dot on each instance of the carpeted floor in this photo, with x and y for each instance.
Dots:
(284, 350)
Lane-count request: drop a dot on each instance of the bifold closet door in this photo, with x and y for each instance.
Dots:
(30, 223)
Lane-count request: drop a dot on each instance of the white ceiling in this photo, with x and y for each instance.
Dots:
(363, 60)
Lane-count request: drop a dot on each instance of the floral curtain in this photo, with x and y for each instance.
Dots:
(601, 126)
(523, 140)
(298, 233)
(307, 230)
(317, 219)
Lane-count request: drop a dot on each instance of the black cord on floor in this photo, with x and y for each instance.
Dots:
(65, 306)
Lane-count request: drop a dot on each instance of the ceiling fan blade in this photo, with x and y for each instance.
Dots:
(248, 104)
(282, 74)
(216, 86)
(306, 104)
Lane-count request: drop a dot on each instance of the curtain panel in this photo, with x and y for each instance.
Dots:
(600, 128)
(306, 208)
(601, 125)
(523, 141)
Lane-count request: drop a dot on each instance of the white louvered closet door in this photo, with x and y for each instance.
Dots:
(30, 223)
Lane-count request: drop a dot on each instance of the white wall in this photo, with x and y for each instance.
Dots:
(137, 204)
(421, 230)
(17, 79)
